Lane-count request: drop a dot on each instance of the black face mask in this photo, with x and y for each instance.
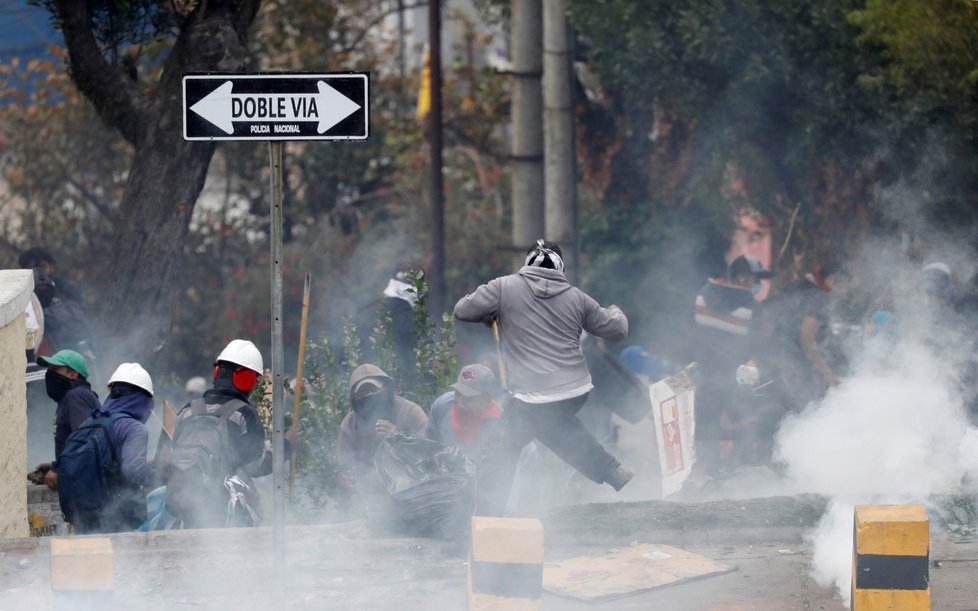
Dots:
(57, 385)
(376, 406)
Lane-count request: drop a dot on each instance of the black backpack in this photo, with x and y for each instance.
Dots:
(88, 470)
(200, 461)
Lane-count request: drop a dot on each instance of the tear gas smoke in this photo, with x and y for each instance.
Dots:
(895, 431)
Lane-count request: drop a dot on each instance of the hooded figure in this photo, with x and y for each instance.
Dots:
(377, 411)
(130, 394)
(541, 319)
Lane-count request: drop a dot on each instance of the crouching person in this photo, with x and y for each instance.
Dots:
(218, 438)
(103, 474)
(377, 411)
(467, 414)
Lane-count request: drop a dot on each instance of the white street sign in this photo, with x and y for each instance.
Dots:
(276, 107)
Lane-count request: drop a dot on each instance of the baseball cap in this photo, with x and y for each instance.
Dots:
(65, 358)
(748, 264)
(367, 387)
(475, 380)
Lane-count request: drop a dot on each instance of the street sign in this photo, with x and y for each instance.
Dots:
(294, 106)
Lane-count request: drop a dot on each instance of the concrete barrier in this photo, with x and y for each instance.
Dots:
(506, 566)
(890, 558)
(81, 572)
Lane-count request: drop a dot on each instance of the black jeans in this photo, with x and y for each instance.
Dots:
(554, 424)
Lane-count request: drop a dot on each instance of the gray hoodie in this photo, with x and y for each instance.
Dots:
(358, 441)
(541, 317)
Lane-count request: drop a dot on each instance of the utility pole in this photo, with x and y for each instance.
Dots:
(436, 275)
(559, 155)
(526, 153)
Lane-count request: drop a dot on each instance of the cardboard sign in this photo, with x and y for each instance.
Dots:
(673, 402)
(626, 571)
(169, 419)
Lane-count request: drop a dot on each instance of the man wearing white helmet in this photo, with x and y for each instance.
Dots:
(130, 402)
(202, 502)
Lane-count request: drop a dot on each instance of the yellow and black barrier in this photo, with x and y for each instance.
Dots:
(81, 571)
(506, 566)
(890, 558)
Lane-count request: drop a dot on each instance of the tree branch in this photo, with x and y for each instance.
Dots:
(86, 193)
(375, 22)
(245, 13)
(212, 38)
(118, 100)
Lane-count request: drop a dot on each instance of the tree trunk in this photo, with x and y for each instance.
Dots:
(167, 173)
(165, 179)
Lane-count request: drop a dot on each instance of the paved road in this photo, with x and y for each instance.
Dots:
(345, 567)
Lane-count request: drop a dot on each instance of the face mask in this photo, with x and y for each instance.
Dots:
(755, 290)
(56, 385)
(373, 406)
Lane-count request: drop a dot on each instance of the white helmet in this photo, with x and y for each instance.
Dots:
(244, 353)
(132, 373)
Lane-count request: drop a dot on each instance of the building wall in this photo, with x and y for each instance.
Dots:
(15, 291)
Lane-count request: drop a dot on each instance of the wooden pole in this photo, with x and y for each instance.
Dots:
(297, 393)
(499, 355)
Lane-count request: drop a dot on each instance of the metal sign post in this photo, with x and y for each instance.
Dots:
(276, 108)
(278, 422)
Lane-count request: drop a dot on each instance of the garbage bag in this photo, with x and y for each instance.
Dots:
(427, 487)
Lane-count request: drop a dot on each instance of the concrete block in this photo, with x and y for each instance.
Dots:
(81, 563)
(891, 558)
(506, 566)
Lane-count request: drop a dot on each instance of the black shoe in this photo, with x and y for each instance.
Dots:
(618, 477)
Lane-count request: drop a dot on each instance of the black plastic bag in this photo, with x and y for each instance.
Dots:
(427, 487)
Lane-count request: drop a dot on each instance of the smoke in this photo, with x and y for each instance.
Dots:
(896, 429)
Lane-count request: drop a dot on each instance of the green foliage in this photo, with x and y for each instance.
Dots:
(328, 378)
(930, 55)
(436, 364)
(323, 412)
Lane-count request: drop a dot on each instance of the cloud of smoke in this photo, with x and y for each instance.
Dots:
(896, 429)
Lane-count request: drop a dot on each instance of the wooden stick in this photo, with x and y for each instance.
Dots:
(297, 393)
(791, 228)
(499, 354)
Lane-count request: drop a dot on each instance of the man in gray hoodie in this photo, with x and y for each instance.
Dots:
(541, 318)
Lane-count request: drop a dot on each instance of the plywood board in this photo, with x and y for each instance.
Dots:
(627, 571)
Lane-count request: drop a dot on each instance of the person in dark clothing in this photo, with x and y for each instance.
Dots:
(41, 259)
(397, 303)
(236, 373)
(790, 328)
(66, 325)
(722, 316)
(66, 381)
(541, 318)
(466, 415)
(130, 393)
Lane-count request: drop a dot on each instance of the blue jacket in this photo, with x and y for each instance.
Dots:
(130, 439)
